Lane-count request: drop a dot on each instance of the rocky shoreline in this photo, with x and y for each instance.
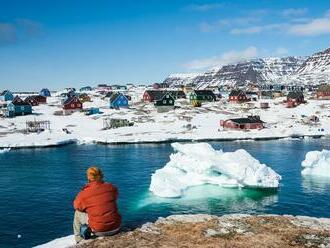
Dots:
(235, 230)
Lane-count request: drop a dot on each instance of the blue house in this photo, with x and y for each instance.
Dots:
(118, 100)
(18, 107)
(6, 96)
(45, 92)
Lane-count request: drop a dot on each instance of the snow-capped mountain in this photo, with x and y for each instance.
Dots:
(288, 70)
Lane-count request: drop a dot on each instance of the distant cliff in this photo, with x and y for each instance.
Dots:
(225, 231)
(310, 70)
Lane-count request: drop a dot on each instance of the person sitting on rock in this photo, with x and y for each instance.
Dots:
(96, 212)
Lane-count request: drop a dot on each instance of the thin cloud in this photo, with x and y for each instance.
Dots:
(294, 12)
(227, 23)
(315, 27)
(229, 57)
(257, 29)
(203, 7)
(18, 30)
(281, 51)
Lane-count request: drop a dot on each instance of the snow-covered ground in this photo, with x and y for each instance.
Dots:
(182, 123)
(63, 242)
(317, 163)
(199, 164)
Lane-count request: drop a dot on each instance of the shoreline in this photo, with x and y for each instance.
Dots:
(200, 230)
(165, 141)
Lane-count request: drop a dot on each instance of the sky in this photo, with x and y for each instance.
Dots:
(66, 43)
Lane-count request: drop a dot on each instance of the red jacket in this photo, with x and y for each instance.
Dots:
(98, 200)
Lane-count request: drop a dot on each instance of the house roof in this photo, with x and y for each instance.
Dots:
(177, 93)
(156, 94)
(70, 99)
(236, 93)
(19, 102)
(324, 88)
(5, 92)
(204, 92)
(249, 119)
(295, 94)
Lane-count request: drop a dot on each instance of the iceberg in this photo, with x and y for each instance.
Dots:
(199, 164)
(4, 150)
(317, 163)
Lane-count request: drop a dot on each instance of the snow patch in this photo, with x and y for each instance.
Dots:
(317, 163)
(199, 164)
(63, 242)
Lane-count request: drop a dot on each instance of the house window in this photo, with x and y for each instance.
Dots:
(79, 105)
(22, 108)
(171, 101)
(164, 101)
(72, 105)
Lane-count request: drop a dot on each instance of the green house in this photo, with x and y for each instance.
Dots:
(198, 96)
(166, 100)
(18, 107)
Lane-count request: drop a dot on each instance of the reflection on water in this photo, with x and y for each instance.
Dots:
(315, 184)
(213, 199)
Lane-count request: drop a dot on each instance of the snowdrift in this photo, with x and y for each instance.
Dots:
(199, 164)
(63, 242)
(317, 163)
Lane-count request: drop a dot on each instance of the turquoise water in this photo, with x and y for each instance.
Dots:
(38, 186)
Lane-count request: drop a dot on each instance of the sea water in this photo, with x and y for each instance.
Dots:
(37, 186)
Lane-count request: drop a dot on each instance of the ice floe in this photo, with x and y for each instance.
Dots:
(317, 163)
(4, 150)
(199, 164)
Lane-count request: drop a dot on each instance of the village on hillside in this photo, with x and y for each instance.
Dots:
(110, 114)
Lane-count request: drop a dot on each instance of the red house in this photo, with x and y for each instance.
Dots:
(153, 95)
(32, 100)
(323, 92)
(41, 99)
(294, 98)
(72, 103)
(251, 122)
(238, 96)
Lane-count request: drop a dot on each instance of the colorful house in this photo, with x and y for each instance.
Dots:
(118, 100)
(294, 98)
(45, 92)
(166, 100)
(238, 96)
(177, 94)
(18, 107)
(83, 97)
(250, 122)
(6, 95)
(198, 96)
(323, 92)
(153, 95)
(86, 88)
(41, 99)
(71, 93)
(72, 104)
(32, 100)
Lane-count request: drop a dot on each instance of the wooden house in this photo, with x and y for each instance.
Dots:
(177, 94)
(71, 93)
(18, 107)
(45, 92)
(118, 100)
(198, 96)
(165, 103)
(86, 88)
(238, 96)
(83, 97)
(250, 122)
(153, 95)
(6, 95)
(323, 92)
(32, 100)
(294, 98)
(72, 104)
(41, 99)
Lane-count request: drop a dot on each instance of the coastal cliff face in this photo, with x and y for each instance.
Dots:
(225, 231)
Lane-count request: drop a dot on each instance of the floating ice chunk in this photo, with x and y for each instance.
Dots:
(4, 150)
(317, 163)
(198, 164)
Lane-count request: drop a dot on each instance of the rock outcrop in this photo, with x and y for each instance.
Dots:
(225, 231)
